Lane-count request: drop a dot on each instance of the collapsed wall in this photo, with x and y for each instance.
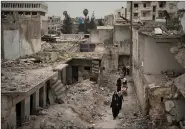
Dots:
(21, 36)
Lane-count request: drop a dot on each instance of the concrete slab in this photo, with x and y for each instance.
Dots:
(60, 67)
(180, 84)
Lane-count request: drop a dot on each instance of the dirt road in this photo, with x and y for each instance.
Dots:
(88, 105)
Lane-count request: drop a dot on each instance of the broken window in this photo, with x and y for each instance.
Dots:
(135, 5)
(87, 68)
(135, 14)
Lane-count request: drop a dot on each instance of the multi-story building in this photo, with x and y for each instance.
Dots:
(54, 24)
(28, 9)
(150, 10)
(118, 13)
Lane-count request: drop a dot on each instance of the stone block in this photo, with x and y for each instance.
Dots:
(178, 110)
(169, 105)
(170, 119)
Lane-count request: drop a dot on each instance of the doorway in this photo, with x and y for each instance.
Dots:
(18, 115)
(75, 73)
(31, 105)
(47, 92)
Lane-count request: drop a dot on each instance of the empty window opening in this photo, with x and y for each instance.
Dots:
(154, 8)
(162, 99)
(31, 105)
(18, 114)
(162, 4)
(135, 14)
(87, 68)
(153, 17)
(34, 13)
(144, 5)
(21, 13)
(27, 13)
(135, 5)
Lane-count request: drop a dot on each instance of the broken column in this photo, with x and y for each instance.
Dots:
(25, 109)
(35, 100)
(42, 96)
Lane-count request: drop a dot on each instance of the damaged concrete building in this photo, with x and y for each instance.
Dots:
(150, 10)
(27, 9)
(20, 36)
(33, 82)
(157, 74)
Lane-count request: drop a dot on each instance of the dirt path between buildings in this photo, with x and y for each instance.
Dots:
(87, 105)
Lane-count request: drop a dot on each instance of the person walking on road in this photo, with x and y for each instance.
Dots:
(118, 84)
(115, 105)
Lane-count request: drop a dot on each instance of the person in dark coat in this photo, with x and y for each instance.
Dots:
(124, 70)
(115, 105)
(118, 84)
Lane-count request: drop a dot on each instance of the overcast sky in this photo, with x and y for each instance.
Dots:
(75, 9)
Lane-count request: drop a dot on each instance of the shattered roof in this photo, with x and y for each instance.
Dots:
(148, 30)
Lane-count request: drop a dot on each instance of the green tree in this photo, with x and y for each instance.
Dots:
(67, 24)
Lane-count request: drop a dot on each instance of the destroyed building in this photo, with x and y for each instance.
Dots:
(150, 10)
(27, 9)
(156, 71)
(21, 35)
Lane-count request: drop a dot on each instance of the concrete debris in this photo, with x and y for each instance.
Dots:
(169, 105)
(170, 119)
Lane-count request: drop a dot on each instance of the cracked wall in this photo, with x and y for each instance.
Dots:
(21, 37)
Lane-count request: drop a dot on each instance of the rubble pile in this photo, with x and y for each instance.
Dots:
(167, 104)
(179, 52)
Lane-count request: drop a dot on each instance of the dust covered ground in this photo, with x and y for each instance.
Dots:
(87, 105)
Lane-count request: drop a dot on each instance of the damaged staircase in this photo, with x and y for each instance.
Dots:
(59, 90)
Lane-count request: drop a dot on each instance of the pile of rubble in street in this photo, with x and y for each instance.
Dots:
(83, 106)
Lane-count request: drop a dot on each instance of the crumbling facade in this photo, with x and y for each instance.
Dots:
(27, 9)
(150, 10)
(154, 76)
(54, 25)
(22, 34)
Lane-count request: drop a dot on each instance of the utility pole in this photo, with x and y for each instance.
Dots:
(131, 43)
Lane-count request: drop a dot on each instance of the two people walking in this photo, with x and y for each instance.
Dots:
(117, 97)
